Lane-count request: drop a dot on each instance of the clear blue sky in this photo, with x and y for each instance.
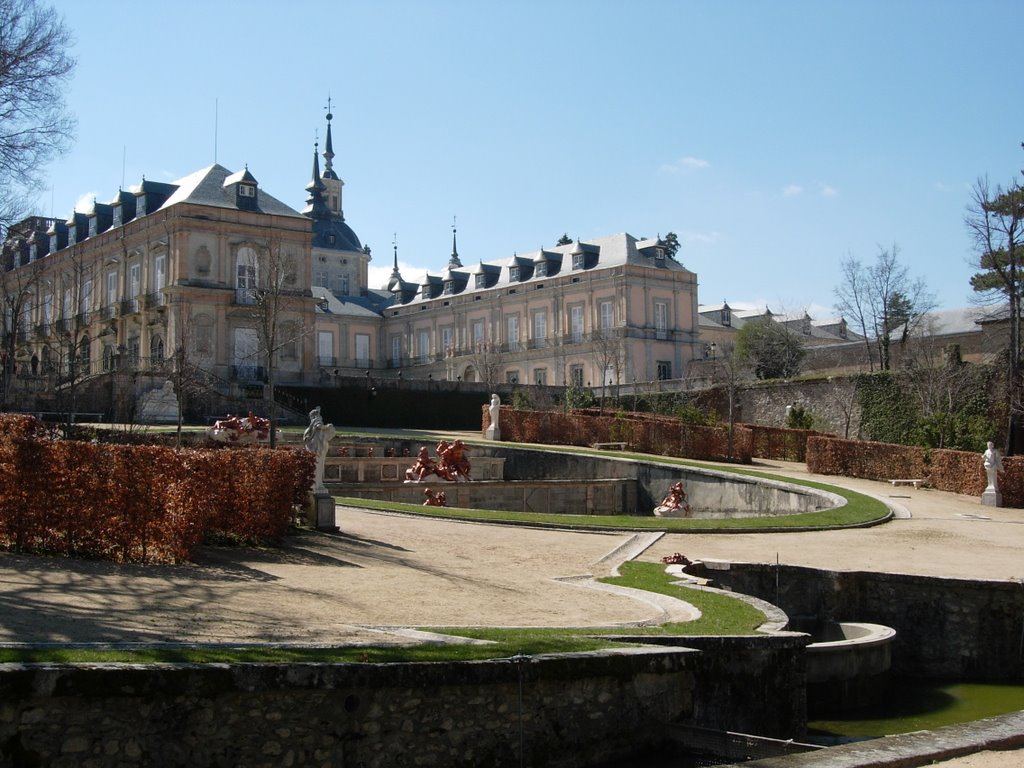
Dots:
(775, 138)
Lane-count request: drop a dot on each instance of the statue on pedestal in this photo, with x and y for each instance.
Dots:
(493, 431)
(993, 464)
(317, 439)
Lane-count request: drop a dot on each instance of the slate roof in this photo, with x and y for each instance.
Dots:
(206, 187)
(603, 252)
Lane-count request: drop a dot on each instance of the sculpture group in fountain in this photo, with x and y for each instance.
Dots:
(317, 440)
(251, 429)
(674, 504)
(432, 499)
(452, 463)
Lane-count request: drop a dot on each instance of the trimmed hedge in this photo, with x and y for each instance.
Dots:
(140, 503)
(644, 433)
(942, 469)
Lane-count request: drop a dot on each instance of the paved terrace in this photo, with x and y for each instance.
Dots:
(384, 574)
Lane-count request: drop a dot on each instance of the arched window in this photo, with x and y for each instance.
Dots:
(85, 355)
(156, 350)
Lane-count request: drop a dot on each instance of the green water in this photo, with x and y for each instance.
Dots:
(915, 705)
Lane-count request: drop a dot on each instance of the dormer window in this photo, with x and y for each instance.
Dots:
(449, 287)
(541, 270)
(659, 253)
(726, 317)
(577, 260)
(247, 190)
(513, 274)
(481, 281)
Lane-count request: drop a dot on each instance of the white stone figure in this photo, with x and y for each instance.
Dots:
(494, 409)
(993, 464)
(317, 439)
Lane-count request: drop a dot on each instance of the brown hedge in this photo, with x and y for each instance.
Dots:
(644, 433)
(139, 503)
(944, 470)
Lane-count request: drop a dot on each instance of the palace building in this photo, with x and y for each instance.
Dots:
(213, 270)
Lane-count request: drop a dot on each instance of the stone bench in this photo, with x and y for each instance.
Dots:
(915, 483)
(617, 446)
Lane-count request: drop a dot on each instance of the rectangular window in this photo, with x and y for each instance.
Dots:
(576, 376)
(512, 377)
(513, 333)
(396, 351)
(325, 348)
(48, 310)
(321, 280)
(85, 300)
(540, 376)
(478, 334)
(160, 272)
(134, 280)
(540, 330)
(664, 370)
(576, 324)
(341, 285)
(424, 349)
(607, 315)
(481, 281)
(111, 288)
(447, 341)
(661, 319)
(363, 350)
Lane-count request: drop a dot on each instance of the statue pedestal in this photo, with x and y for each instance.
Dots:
(991, 498)
(321, 511)
(492, 432)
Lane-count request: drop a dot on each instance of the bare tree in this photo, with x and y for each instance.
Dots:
(276, 302)
(995, 220)
(34, 125)
(608, 359)
(883, 300)
(19, 286)
(488, 359)
(731, 370)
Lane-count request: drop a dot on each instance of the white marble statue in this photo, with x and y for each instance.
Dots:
(317, 439)
(494, 409)
(993, 463)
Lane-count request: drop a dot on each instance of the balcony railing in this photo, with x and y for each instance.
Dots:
(130, 306)
(108, 312)
(155, 300)
(326, 361)
(245, 295)
(248, 373)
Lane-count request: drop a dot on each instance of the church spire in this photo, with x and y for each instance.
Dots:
(329, 146)
(395, 281)
(453, 262)
(316, 207)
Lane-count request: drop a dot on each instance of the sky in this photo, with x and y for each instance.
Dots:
(775, 138)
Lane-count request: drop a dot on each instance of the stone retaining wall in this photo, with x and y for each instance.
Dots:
(569, 710)
(952, 628)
